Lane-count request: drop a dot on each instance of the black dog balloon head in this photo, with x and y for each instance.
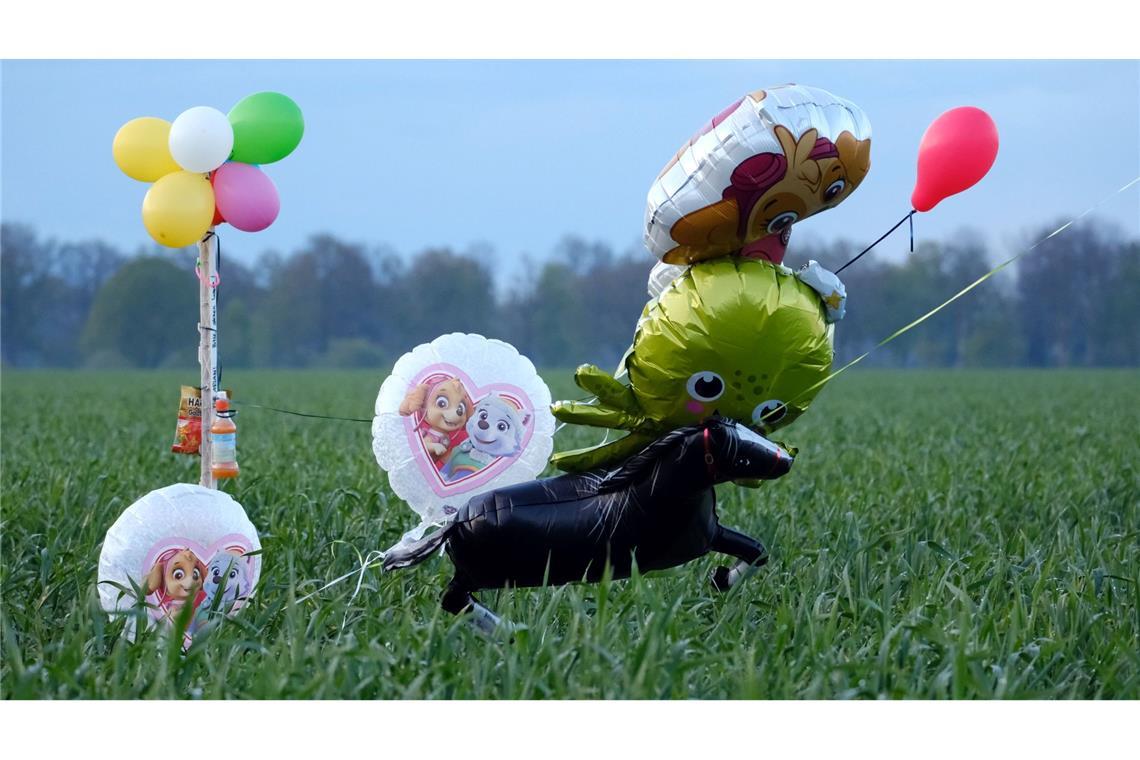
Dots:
(736, 452)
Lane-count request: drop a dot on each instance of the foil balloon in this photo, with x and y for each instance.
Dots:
(657, 509)
(662, 276)
(177, 547)
(769, 160)
(737, 338)
(457, 417)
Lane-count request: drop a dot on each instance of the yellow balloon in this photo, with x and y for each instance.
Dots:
(178, 209)
(142, 149)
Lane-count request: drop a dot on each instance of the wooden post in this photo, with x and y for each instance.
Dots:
(207, 346)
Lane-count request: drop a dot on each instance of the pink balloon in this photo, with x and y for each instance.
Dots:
(956, 151)
(245, 196)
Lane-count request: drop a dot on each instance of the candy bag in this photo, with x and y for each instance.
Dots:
(188, 433)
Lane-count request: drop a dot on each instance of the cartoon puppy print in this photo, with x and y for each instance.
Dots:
(768, 193)
(227, 582)
(444, 406)
(176, 577)
(227, 574)
(495, 430)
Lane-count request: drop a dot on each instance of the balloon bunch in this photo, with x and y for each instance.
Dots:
(730, 331)
(205, 166)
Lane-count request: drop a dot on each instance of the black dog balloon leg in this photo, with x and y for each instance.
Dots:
(749, 552)
(457, 600)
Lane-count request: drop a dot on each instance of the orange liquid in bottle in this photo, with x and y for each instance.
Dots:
(223, 439)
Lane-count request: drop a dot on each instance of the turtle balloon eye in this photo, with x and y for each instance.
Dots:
(783, 221)
(834, 189)
(705, 386)
(769, 412)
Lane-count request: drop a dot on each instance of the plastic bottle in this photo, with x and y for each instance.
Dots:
(223, 439)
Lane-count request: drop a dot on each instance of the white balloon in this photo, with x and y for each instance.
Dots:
(160, 542)
(201, 139)
(458, 417)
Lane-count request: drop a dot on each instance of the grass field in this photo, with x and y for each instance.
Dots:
(943, 534)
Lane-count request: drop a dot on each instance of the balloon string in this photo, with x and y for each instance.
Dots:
(373, 557)
(325, 416)
(960, 293)
(301, 414)
(215, 278)
(884, 237)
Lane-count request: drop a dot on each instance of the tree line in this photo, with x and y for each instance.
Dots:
(334, 303)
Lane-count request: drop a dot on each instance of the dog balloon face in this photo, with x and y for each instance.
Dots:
(497, 427)
(772, 159)
(227, 574)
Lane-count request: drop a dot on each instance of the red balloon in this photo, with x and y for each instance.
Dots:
(956, 151)
(217, 218)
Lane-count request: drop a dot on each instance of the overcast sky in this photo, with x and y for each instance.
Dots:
(516, 154)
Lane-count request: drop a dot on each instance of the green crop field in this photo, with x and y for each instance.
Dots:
(942, 535)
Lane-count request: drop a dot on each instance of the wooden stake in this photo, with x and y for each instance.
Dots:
(207, 346)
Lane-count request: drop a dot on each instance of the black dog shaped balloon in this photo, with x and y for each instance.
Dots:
(658, 509)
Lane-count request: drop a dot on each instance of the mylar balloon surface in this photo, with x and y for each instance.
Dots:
(178, 209)
(736, 338)
(183, 545)
(956, 151)
(767, 161)
(201, 138)
(246, 197)
(267, 127)
(457, 417)
(661, 276)
(142, 149)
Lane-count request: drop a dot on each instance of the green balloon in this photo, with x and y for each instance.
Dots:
(267, 127)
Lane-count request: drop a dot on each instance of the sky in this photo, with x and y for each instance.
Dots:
(507, 157)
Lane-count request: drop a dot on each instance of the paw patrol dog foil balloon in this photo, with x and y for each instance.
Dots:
(737, 338)
(457, 417)
(769, 160)
(177, 547)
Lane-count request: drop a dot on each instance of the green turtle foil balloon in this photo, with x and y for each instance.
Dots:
(734, 337)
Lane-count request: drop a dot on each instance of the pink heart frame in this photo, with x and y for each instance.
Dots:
(170, 555)
(414, 426)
